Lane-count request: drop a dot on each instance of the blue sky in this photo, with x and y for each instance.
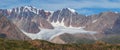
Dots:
(102, 5)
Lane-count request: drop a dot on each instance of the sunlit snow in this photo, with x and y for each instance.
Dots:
(94, 21)
(116, 12)
(72, 10)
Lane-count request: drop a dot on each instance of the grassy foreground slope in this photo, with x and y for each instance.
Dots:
(6, 44)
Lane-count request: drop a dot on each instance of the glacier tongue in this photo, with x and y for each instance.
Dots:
(48, 34)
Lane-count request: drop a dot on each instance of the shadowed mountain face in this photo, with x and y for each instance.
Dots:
(41, 24)
(9, 30)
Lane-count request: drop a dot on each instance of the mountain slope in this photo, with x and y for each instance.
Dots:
(9, 30)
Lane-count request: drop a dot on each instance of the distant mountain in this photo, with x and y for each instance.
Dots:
(9, 30)
(52, 25)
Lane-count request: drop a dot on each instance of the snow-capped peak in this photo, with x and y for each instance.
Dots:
(32, 9)
(72, 10)
(29, 7)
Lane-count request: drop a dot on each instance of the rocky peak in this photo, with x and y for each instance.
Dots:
(68, 11)
(72, 10)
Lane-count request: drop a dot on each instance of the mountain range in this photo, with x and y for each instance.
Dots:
(61, 26)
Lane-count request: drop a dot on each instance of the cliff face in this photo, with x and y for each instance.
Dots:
(9, 30)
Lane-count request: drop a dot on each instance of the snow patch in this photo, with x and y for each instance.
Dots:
(51, 11)
(58, 23)
(116, 12)
(72, 10)
(10, 10)
(94, 21)
(46, 11)
(28, 7)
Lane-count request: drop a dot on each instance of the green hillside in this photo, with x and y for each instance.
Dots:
(44, 45)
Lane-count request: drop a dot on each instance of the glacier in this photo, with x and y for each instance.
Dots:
(49, 34)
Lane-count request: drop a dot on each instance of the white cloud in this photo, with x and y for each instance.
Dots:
(80, 4)
(58, 4)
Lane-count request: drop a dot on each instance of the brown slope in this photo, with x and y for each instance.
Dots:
(9, 30)
(67, 38)
(104, 21)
